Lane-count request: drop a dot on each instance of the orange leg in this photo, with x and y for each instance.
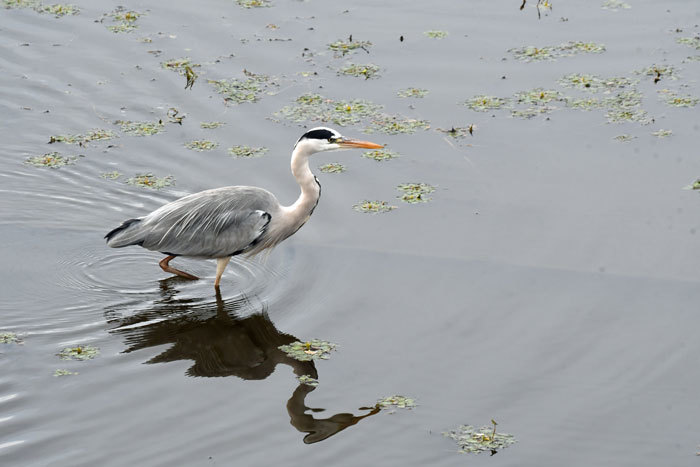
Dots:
(167, 268)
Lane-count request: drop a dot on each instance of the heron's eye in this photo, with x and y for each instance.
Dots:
(332, 139)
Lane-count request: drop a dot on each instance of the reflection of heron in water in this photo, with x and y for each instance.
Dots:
(222, 344)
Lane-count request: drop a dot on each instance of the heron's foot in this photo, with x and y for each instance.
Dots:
(167, 268)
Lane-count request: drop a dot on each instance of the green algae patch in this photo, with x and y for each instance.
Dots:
(412, 92)
(484, 103)
(662, 133)
(92, 135)
(690, 41)
(122, 20)
(415, 192)
(373, 207)
(436, 34)
(314, 349)
(396, 124)
(316, 108)
(52, 160)
(615, 5)
(238, 91)
(675, 100)
(458, 132)
(148, 180)
(246, 151)
(588, 82)
(62, 372)
(624, 138)
(344, 47)
(210, 125)
(396, 402)
(80, 352)
(140, 128)
(485, 439)
(111, 175)
(9, 338)
(254, 3)
(332, 168)
(366, 71)
(568, 49)
(308, 380)
(380, 155)
(201, 145)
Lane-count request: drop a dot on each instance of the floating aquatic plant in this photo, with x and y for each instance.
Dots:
(140, 128)
(436, 34)
(618, 115)
(344, 47)
(308, 380)
(148, 180)
(332, 168)
(111, 175)
(367, 71)
(484, 439)
(92, 135)
(17, 4)
(396, 402)
(373, 207)
(9, 338)
(659, 71)
(380, 155)
(458, 132)
(246, 151)
(124, 20)
(690, 41)
(211, 125)
(61, 372)
(254, 3)
(624, 138)
(52, 160)
(694, 186)
(484, 103)
(415, 192)
(58, 9)
(531, 112)
(615, 5)
(313, 107)
(239, 91)
(395, 124)
(594, 83)
(179, 64)
(310, 350)
(201, 145)
(412, 92)
(537, 96)
(80, 352)
(662, 133)
(568, 49)
(585, 104)
(671, 98)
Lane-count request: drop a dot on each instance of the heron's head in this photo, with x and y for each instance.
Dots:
(327, 139)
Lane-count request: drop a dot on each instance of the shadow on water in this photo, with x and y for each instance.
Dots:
(221, 343)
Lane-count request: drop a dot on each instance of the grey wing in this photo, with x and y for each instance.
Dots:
(211, 224)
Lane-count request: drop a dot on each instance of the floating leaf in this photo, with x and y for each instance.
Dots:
(373, 207)
(395, 124)
(344, 47)
(396, 402)
(140, 128)
(201, 145)
(471, 440)
(412, 92)
(483, 103)
(80, 352)
(246, 151)
(316, 108)
(149, 180)
(415, 192)
(380, 155)
(367, 71)
(332, 168)
(314, 349)
(52, 160)
(239, 91)
(595, 83)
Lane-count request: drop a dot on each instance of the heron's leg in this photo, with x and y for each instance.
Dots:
(167, 268)
(221, 264)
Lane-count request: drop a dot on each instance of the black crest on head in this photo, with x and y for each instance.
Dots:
(318, 133)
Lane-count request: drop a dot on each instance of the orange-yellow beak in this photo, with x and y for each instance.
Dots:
(353, 143)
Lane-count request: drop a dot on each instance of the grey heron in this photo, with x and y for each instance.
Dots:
(224, 222)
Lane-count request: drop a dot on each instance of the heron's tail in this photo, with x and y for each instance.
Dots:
(125, 235)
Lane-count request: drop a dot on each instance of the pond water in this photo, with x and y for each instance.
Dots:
(550, 283)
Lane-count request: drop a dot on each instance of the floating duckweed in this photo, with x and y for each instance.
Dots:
(436, 34)
(308, 380)
(52, 160)
(568, 49)
(595, 83)
(471, 440)
(396, 402)
(332, 168)
(538, 96)
(254, 3)
(458, 132)
(690, 41)
(61, 372)
(394, 124)
(373, 206)
(179, 64)
(58, 9)
(380, 155)
(624, 138)
(310, 350)
(246, 151)
(412, 92)
(92, 135)
(615, 5)
(201, 145)
(671, 98)
(485, 103)
(80, 352)
(140, 128)
(368, 70)
(239, 91)
(111, 175)
(584, 104)
(415, 192)
(9, 338)
(149, 180)
(211, 125)
(348, 46)
(125, 20)
(662, 133)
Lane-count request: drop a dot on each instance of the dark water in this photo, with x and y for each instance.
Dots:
(551, 284)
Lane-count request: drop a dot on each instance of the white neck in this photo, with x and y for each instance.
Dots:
(310, 189)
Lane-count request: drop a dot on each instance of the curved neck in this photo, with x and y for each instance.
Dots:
(310, 189)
